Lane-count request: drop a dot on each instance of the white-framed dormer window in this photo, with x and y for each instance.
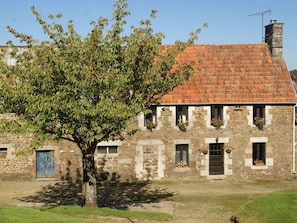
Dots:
(259, 111)
(259, 115)
(150, 119)
(182, 114)
(217, 115)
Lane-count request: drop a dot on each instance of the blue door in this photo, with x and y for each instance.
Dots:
(44, 164)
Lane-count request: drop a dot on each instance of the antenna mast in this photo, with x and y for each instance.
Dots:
(262, 14)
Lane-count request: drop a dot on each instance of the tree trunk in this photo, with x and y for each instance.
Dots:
(89, 186)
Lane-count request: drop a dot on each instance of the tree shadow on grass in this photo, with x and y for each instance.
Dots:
(59, 193)
(119, 195)
(111, 192)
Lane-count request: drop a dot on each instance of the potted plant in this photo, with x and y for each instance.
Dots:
(182, 126)
(204, 151)
(150, 125)
(181, 164)
(2, 155)
(259, 122)
(228, 150)
(217, 123)
(258, 162)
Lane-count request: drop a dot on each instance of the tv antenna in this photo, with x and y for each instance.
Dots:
(262, 14)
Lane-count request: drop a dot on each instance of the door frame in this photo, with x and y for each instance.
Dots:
(52, 149)
(216, 159)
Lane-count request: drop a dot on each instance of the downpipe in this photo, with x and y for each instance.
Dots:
(294, 141)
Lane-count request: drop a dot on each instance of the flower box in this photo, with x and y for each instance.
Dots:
(217, 123)
(259, 122)
(182, 126)
(150, 125)
(259, 163)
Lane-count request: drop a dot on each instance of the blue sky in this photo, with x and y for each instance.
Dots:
(228, 20)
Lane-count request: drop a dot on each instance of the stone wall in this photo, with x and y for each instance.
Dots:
(152, 153)
(16, 164)
(19, 163)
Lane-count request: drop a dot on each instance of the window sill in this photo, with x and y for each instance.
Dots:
(254, 167)
(107, 155)
(181, 169)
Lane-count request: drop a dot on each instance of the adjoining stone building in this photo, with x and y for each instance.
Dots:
(233, 118)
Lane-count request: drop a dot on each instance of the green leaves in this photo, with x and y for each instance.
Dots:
(88, 89)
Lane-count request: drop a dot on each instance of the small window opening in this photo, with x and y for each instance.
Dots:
(107, 149)
(259, 154)
(3, 153)
(182, 155)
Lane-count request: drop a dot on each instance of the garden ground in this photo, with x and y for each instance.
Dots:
(190, 201)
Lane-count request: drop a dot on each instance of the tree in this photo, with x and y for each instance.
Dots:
(86, 90)
(293, 72)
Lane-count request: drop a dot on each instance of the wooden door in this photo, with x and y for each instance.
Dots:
(216, 159)
(44, 164)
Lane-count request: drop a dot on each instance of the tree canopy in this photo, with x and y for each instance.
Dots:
(293, 72)
(86, 90)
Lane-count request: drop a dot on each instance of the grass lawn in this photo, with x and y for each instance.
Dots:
(70, 214)
(191, 201)
(270, 208)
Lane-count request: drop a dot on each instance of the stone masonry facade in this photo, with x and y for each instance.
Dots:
(151, 154)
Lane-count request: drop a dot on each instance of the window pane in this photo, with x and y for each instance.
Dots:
(182, 155)
(185, 156)
(177, 157)
(217, 111)
(259, 111)
(102, 149)
(181, 114)
(113, 149)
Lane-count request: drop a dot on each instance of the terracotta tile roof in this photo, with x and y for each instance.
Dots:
(233, 74)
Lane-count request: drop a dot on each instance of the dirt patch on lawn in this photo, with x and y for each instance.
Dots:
(190, 201)
(12, 192)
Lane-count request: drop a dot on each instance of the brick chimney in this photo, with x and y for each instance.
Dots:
(274, 38)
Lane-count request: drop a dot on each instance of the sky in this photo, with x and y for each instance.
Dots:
(229, 21)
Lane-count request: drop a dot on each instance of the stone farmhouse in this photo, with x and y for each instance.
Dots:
(233, 119)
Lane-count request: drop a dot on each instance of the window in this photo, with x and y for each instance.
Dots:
(259, 116)
(150, 120)
(181, 114)
(258, 111)
(259, 154)
(217, 112)
(107, 149)
(182, 155)
(3, 153)
(217, 115)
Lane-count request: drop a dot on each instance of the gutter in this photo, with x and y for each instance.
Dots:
(293, 142)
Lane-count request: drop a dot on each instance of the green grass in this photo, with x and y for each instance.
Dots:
(70, 214)
(270, 208)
